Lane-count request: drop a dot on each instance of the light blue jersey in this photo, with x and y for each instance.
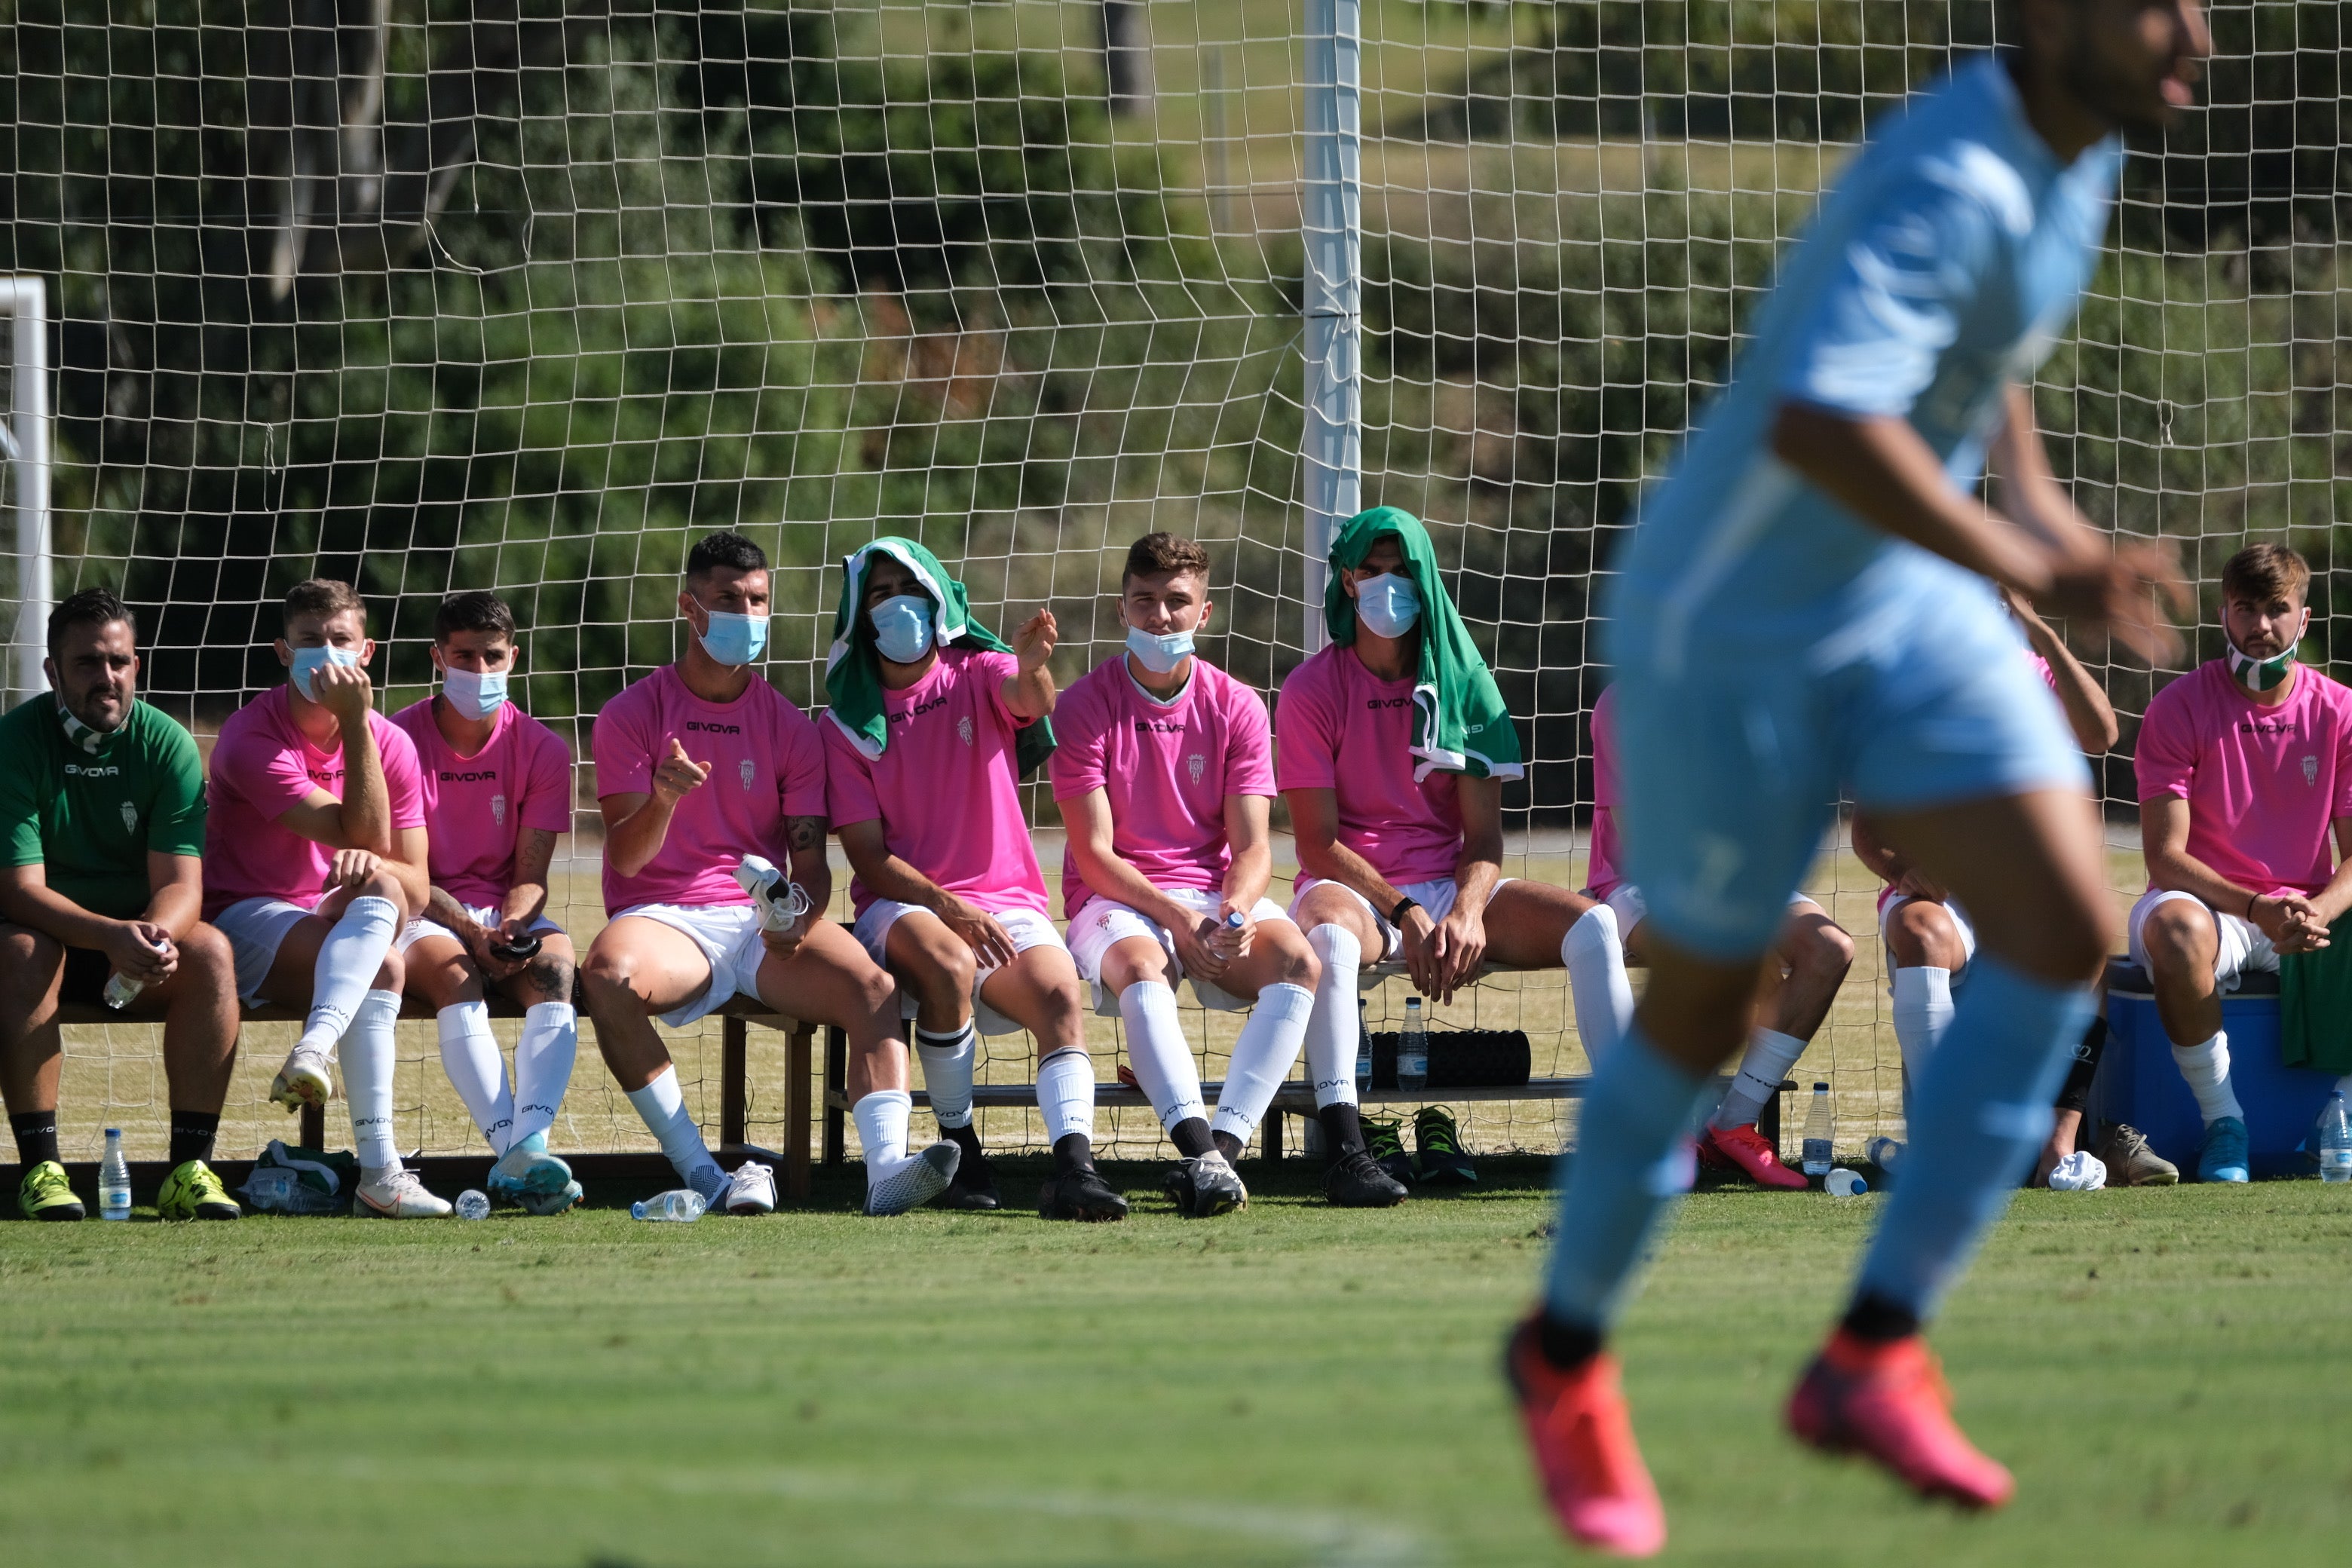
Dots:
(1772, 650)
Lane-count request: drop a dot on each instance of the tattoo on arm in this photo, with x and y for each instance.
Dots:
(805, 833)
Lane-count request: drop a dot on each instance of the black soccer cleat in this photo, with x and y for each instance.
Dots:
(1203, 1186)
(973, 1188)
(1385, 1141)
(1354, 1181)
(1438, 1158)
(1081, 1194)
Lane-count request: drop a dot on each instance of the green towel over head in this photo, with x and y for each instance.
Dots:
(2316, 1006)
(1459, 723)
(852, 670)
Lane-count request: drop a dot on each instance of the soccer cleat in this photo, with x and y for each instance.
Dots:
(1385, 1141)
(566, 1197)
(974, 1186)
(525, 1171)
(1437, 1157)
(2130, 1161)
(1205, 1185)
(2221, 1157)
(1889, 1402)
(44, 1194)
(307, 1078)
(192, 1192)
(1354, 1181)
(915, 1182)
(1743, 1148)
(1582, 1436)
(400, 1195)
(1081, 1194)
(750, 1190)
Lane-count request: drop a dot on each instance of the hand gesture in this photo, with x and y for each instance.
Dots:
(343, 690)
(1197, 948)
(981, 932)
(352, 869)
(142, 951)
(481, 942)
(679, 776)
(785, 942)
(1421, 962)
(2292, 923)
(2119, 589)
(1234, 941)
(1033, 645)
(1460, 946)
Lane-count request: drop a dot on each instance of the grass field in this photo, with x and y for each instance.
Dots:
(1290, 1384)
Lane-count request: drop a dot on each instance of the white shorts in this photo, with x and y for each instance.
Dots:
(1027, 927)
(1436, 896)
(256, 929)
(1103, 922)
(728, 936)
(2240, 948)
(1889, 901)
(417, 929)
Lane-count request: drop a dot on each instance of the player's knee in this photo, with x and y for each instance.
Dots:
(1824, 952)
(942, 972)
(393, 972)
(606, 978)
(552, 979)
(1297, 966)
(382, 884)
(1922, 935)
(208, 958)
(27, 959)
(2178, 934)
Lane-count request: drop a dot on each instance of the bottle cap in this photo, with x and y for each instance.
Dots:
(1818, 1085)
(114, 1132)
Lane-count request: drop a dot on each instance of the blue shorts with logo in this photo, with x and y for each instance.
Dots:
(1734, 748)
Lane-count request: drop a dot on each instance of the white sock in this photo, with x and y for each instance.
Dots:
(2207, 1069)
(1156, 1050)
(347, 965)
(1066, 1094)
(881, 1119)
(1771, 1055)
(662, 1106)
(1332, 1028)
(1594, 952)
(469, 1055)
(543, 1059)
(1261, 1057)
(946, 1072)
(1923, 1011)
(368, 1057)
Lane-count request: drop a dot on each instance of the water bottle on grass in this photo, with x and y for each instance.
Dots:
(680, 1205)
(2335, 1141)
(114, 1179)
(1818, 1133)
(1413, 1048)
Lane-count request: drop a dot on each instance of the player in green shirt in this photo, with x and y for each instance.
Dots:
(101, 827)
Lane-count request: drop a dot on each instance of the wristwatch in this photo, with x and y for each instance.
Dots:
(1396, 915)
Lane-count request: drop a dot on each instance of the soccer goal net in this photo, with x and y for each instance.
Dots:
(528, 294)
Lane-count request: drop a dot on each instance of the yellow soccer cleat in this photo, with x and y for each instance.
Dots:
(44, 1194)
(192, 1192)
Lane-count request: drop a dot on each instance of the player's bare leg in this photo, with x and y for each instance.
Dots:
(1281, 972)
(1343, 936)
(1799, 982)
(1041, 991)
(935, 967)
(514, 1121)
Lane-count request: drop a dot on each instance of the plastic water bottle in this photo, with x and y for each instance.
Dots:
(1818, 1133)
(472, 1203)
(1413, 1048)
(2335, 1141)
(120, 988)
(1364, 1051)
(114, 1179)
(680, 1205)
(1844, 1184)
(1883, 1152)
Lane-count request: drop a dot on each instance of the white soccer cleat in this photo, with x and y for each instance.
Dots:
(915, 1182)
(750, 1190)
(307, 1078)
(401, 1195)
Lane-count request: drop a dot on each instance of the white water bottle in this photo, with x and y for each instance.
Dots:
(114, 1179)
(680, 1205)
(1413, 1048)
(1818, 1133)
(2335, 1140)
(120, 988)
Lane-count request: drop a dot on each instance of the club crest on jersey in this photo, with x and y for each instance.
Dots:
(130, 813)
(747, 768)
(963, 729)
(1196, 765)
(2310, 771)
(498, 809)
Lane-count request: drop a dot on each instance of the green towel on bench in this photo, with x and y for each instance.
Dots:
(2316, 1006)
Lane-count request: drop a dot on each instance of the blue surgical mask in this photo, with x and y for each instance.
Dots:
(735, 640)
(475, 695)
(1388, 605)
(1159, 654)
(902, 627)
(309, 661)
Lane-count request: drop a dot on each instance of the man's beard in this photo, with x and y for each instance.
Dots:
(104, 723)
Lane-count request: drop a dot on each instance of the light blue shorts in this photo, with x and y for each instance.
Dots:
(1733, 756)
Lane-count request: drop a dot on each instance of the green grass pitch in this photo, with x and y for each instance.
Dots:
(2164, 1369)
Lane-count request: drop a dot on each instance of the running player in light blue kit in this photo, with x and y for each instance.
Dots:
(1808, 605)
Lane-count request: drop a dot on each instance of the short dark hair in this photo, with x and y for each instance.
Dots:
(725, 549)
(474, 610)
(1156, 552)
(2265, 571)
(322, 598)
(89, 608)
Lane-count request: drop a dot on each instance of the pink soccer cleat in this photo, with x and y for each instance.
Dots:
(1889, 1402)
(1582, 1433)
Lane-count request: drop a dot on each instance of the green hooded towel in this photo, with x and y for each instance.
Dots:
(1459, 723)
(852, 670)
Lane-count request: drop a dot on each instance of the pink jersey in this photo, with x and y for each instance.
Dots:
(766, 764)
(943, 787)
(263, 767)
(1346, 729)
(2263, 784)
(1166, 769)
(1600, 873)
(477, 807)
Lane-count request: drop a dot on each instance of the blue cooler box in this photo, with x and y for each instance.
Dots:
(2139, 1081)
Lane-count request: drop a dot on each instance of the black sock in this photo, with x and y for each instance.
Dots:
(1341, 1131)
(2076, 1093)
(1566, 1345)
(1192, 1138)
(1073, 1151)
(191, 1135)
(36, 1136)
(1228, 1145)
(966, 1139)
(1879, 1320)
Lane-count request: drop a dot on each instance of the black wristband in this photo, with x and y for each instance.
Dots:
(1396, 915)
